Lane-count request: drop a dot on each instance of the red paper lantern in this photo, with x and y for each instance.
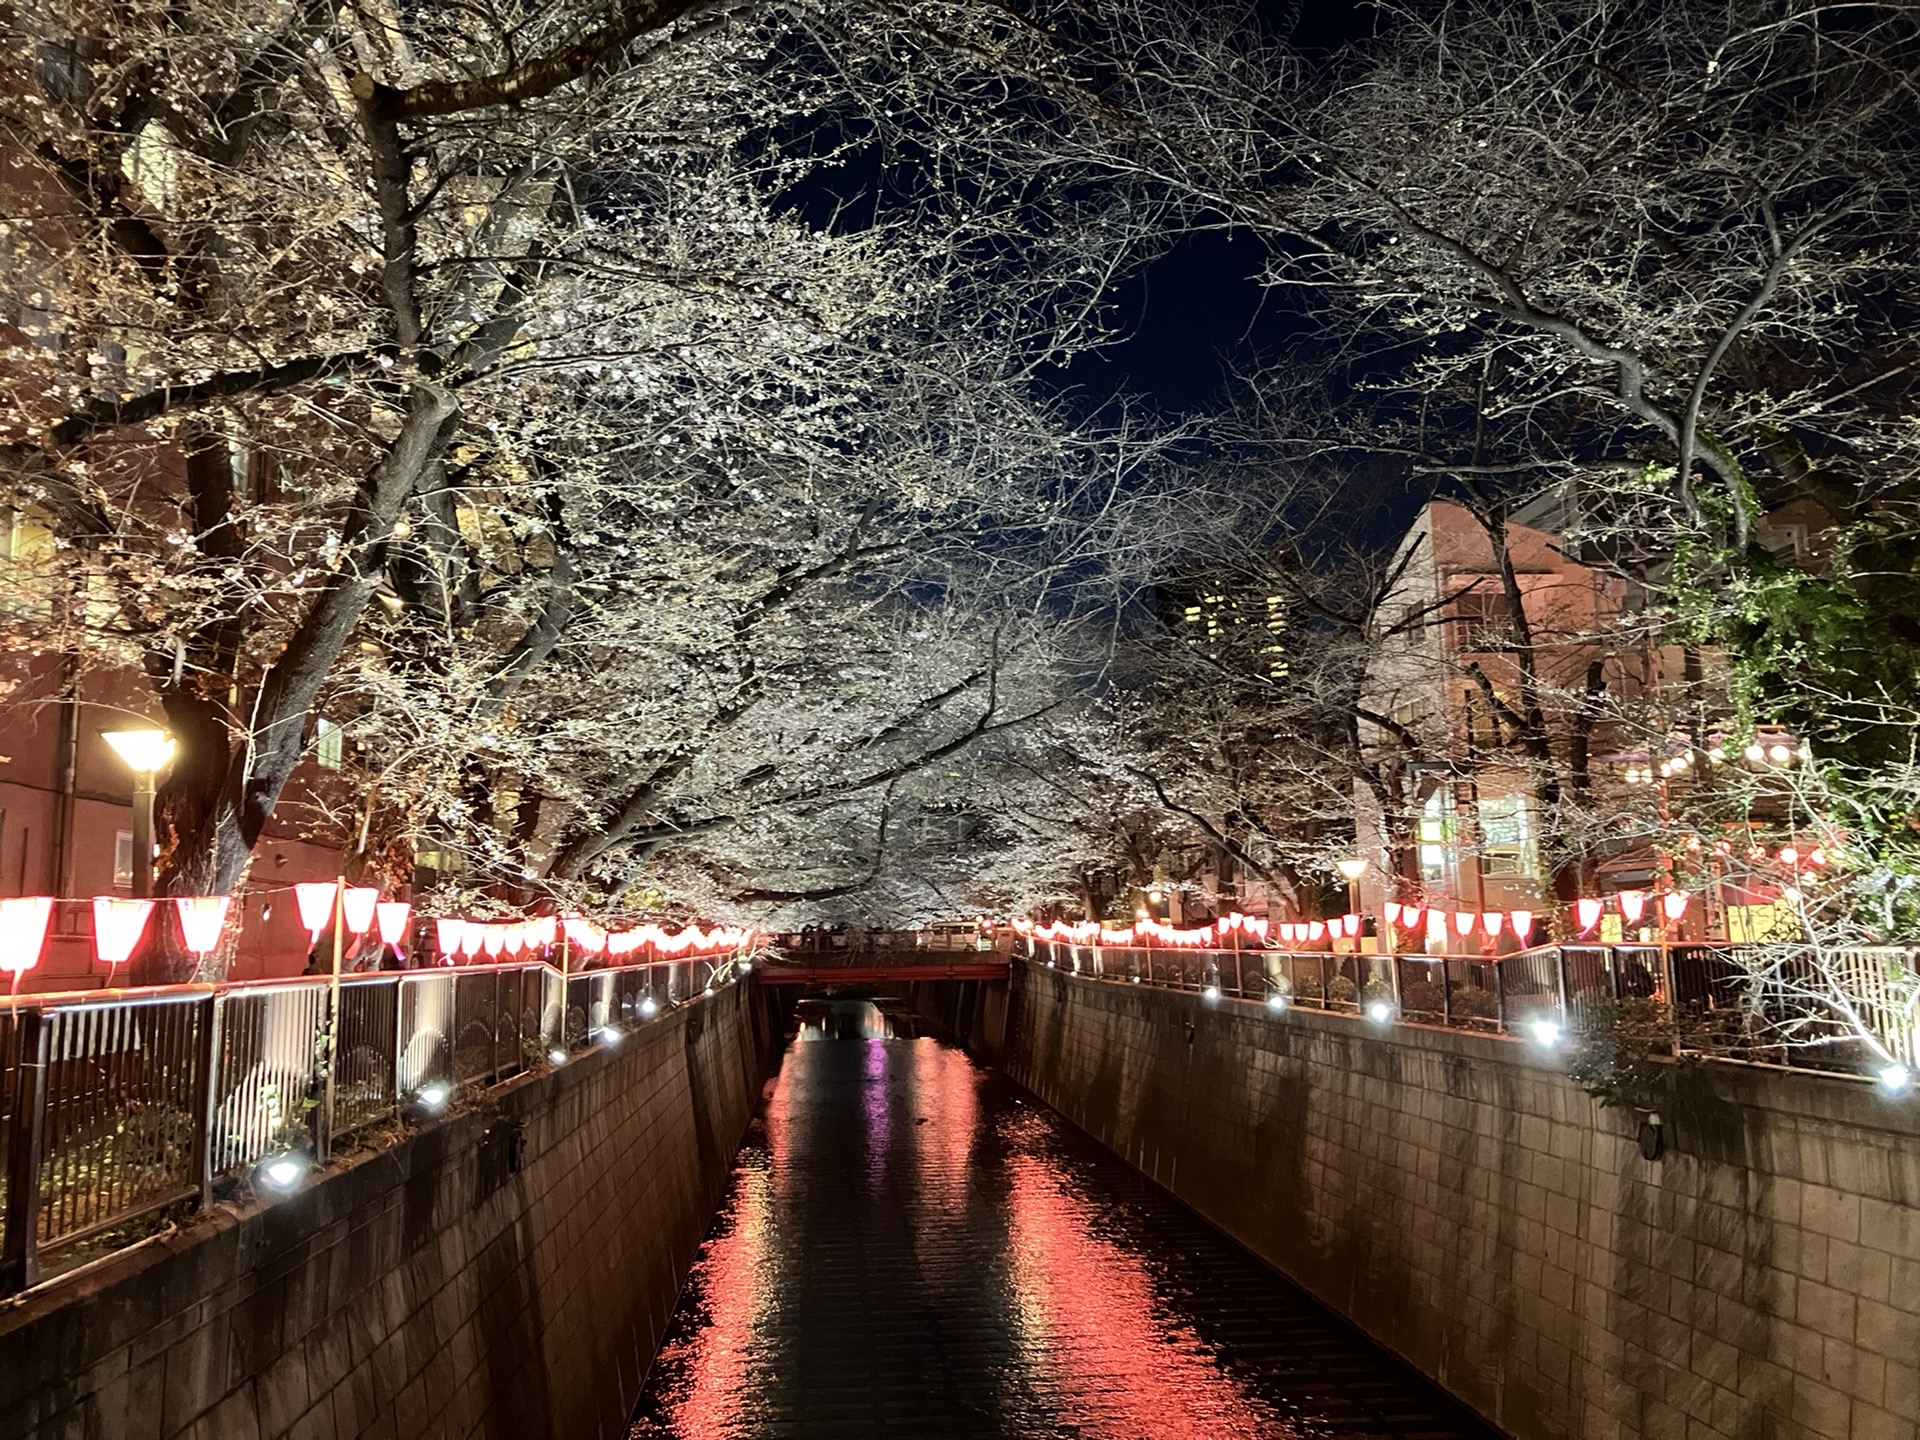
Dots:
(23, 932)
(1522, 925)
(201, 919)
(357, 904)
(392, 916)
(315, 898)
(1633, 904)
(1587, 910)
(1674, 902)
(117, 927)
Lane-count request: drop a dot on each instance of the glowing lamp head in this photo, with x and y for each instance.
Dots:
(1895, 1079)
(1756, 753)
(282, 1172)
(1380, 1012)
(649, 1007)
(1212, 992)
(433, 1096)
(1779, 754)
(1546, 1033)
(141, 751)
(557, 1055)
(1351, 869)
(1277, 1000)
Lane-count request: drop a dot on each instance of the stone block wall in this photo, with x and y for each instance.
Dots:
(506, 1272)
(1462, 1201)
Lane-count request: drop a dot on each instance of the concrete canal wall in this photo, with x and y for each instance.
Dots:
(506, 1272)
(1463, 1202)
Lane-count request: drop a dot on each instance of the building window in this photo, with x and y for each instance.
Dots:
(1506, 837)
(1436, 837)
(1478, 620)
(328, 749)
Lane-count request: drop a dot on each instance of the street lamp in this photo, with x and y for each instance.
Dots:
(145, 753)
(1353, 869)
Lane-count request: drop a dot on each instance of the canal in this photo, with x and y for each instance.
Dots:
(911, 1247)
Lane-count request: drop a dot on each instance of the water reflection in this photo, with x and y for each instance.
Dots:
(910, 1247)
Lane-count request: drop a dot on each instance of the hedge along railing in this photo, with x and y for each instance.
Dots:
(114, 1104)
(1706, 989)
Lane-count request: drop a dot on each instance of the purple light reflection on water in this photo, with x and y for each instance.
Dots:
(910, 1248)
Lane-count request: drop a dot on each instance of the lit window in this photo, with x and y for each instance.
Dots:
(328, 749)
(1436, 835)
(1506, 836)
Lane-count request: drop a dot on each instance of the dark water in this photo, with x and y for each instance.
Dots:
(912, 1248)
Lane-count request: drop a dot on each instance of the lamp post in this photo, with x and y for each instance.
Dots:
(145, 753)
(1352, 869)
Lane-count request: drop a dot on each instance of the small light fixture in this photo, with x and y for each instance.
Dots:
(433, 1096)
(1895, 1078)
(608, 1036)
(1277, 1001)
(649, 1007)
(1352, 869)
(282, 1171)
(141, 751)
(557, 1055)
(1546, 1033)
(1380, 1012)
(1211, 992)
(1779, 754)
(1756, 753)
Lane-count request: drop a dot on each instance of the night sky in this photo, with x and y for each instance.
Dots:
(1196, 315)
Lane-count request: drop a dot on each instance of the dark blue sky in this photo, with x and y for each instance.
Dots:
(1197, 315)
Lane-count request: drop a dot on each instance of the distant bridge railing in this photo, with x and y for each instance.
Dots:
(878, 957)
(118, 1103)
(1705, 990)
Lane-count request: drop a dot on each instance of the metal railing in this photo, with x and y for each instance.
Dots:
(115, 1104)
(1706, 990)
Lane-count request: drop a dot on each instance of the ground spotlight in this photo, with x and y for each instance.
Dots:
(1546, 1033)
(1895, 1079)
(557, 1055)
(1212, 992)
(607, 1035)
(649, 1007)
(432, 1096)
(1380, 1012)
(282, 1171)
(1277, 1000)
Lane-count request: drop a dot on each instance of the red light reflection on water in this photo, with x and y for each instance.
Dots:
(717, 1369)
(1116, 1365)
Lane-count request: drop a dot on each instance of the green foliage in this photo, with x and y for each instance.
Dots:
(1622, 1059)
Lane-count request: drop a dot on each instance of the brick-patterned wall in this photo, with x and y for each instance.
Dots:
(428, 1290)
(1462, 1201)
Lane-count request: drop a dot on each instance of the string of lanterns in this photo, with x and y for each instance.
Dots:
(120, 924)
